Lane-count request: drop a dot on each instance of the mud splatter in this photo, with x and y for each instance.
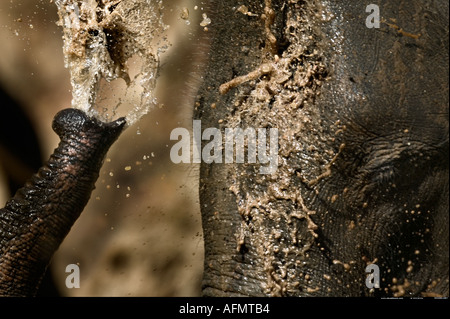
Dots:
(280, 93)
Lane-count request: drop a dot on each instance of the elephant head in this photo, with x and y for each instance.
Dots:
(36, 220)
(361, 111)
(360, 107)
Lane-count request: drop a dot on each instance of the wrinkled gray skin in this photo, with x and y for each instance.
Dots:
(363, 162)
(37, 219)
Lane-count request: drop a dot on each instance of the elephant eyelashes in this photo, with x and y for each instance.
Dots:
(382, 166)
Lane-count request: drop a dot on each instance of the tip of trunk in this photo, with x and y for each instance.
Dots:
(72, 120)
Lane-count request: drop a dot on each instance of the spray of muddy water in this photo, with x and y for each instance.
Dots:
(105, 40)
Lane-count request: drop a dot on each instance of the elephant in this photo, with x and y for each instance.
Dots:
(354, 201)
(358, 202)
(36, 220)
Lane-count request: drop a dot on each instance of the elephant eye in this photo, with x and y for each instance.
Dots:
(384, 174)
(380, 166)
(400, 165)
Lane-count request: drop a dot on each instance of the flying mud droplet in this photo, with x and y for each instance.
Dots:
(184, 14)
(206, 21)
(244, 10)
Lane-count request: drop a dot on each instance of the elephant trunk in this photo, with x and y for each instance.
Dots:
(37, 219)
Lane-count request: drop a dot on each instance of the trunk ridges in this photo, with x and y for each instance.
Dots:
(36, 220)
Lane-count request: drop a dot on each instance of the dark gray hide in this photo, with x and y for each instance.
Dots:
(37, 219)
(362, 176)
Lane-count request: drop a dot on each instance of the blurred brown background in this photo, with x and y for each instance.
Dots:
(140, 234)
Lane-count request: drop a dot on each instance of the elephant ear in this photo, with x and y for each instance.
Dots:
(37, 219)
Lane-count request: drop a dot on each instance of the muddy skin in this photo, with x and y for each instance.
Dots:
(36, 220)
(363, 166)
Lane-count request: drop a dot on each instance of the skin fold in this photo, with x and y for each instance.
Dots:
(36, 220)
